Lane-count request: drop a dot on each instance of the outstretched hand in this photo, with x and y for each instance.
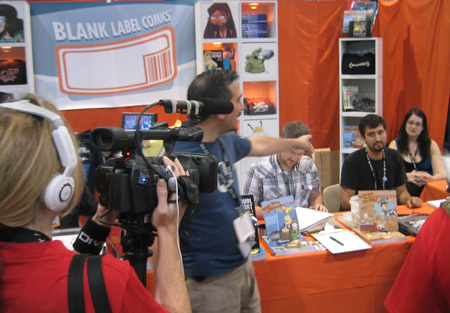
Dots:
(305, 143)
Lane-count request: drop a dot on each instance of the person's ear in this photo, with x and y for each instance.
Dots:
(220, 117)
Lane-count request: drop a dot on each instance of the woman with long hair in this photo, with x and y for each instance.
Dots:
(421, 154)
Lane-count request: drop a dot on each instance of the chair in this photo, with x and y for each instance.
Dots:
(332, 198)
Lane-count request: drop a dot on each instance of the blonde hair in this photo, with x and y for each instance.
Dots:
(28, 161)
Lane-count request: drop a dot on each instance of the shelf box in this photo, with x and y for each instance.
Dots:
(260, 97)
(258, 20)
(228, 53)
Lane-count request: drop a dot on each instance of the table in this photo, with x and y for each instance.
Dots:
(324, 282)
(435, 190)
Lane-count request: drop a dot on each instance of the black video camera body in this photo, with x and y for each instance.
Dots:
(127, 184)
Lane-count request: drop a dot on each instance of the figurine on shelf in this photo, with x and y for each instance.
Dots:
(220, 22)
(255, 61)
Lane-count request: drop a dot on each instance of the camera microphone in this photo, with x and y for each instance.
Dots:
(203, 106)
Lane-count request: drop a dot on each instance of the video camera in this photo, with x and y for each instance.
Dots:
(127, 184)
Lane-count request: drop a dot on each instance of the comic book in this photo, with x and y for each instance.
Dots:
(378, 210)
(282, 228)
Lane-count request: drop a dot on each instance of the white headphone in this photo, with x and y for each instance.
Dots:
(59, 191)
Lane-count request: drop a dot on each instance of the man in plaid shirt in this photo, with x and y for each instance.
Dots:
(286, 173)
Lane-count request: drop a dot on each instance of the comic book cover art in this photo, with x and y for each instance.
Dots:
(283, 233)
(281, 220)
(378, 210)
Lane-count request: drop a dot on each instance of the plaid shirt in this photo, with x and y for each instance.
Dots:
(266, 180)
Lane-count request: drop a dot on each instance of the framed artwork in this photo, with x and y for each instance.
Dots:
(218, 20)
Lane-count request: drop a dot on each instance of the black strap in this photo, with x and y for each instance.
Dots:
(75, 284)
(96, 284)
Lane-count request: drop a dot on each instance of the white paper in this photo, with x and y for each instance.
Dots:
(308, 217)
(344, 241)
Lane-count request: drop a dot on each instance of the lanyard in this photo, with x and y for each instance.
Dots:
(286, 182)
(412, 159)
(227, 180)
(373, 172)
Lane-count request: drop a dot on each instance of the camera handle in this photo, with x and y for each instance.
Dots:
(135, 246)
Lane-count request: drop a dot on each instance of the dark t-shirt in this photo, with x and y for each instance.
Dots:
(357, 175)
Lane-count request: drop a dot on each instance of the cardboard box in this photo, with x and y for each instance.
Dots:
(327, 163)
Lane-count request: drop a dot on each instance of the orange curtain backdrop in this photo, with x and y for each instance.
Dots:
(416, 69)
(309, 66)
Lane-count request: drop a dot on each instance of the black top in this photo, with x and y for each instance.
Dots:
(357, 175)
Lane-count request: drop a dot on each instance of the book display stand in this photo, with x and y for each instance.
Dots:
(246, 41)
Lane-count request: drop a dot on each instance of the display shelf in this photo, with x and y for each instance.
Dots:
(16, 61)
(360, 88)
(254, 51)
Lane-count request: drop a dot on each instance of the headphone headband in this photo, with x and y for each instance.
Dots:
(59, 191)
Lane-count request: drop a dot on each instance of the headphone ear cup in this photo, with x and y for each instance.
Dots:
(59, 192)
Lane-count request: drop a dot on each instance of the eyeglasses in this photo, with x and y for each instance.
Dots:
(293, 154)
(2, 18)
(411, 123)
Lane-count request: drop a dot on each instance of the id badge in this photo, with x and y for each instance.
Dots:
(245, 248)
(243, 227)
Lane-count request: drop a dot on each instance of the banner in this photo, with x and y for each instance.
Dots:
(99, 54)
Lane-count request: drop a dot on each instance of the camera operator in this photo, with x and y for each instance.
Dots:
(220, 276)
(35, 147)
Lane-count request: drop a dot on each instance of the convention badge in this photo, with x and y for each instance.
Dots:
(245, 248)
(243, 227)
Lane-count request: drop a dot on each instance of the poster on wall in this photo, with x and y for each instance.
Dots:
(97, 54)
(218, 20)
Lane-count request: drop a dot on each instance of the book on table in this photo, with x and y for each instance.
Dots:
(378, 210)
(308, 218)
(282, 228)
(258, 254)
(248, 205)
(294, 246)
(380, 237)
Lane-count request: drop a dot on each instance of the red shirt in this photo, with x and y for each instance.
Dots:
(423, 284)
(34, 279)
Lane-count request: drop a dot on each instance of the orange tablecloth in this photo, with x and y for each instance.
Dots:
(435, 190)
(324, 282)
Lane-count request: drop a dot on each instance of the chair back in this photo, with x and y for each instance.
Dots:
(332, 198)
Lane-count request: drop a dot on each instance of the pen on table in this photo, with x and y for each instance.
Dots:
(334, 239)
